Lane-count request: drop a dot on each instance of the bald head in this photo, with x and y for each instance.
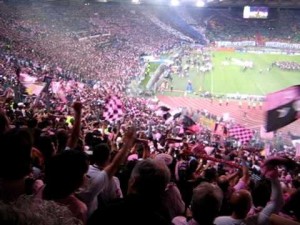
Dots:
(241, 202)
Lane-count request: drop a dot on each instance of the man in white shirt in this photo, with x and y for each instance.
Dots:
(100, 174)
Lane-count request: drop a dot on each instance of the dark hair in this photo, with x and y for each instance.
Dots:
(4, 125)
(45, 146)
(64, 174)
(91, 139)
(261, 193)
(32, 123)
(15, 158)
(292, 206)
(62, 139)
(101, 153)
(210, 174)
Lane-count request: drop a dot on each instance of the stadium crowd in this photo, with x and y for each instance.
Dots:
(64, 162)
(288, 65)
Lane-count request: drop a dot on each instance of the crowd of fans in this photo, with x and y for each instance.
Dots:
(63, 163)
(293, 66)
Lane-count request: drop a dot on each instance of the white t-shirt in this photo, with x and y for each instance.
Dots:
(227, 220)
(98, 180)
(111, 191)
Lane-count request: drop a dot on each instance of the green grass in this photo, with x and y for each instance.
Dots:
(153, 67)
(145, 81)
(231, 79)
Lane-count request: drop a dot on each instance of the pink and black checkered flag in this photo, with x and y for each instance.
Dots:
(241, 133)
(113, 109)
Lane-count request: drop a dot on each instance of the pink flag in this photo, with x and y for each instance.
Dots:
(25, 78)
(267, 150)
(34, 88)
(298, 150)
(266, 135)
(58, 89)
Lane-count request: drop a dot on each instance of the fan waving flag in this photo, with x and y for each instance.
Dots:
(31, 85)
(241, 133)
(282, 108)
(163, 111)
(25, 78)
(34, 88)
(173, 115)
(189, 125)
(113, 109)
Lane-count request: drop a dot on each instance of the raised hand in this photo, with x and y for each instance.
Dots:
(77, 106)
(129, 136)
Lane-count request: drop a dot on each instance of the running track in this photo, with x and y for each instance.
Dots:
(254, 118)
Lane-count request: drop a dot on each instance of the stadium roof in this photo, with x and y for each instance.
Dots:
(222, 3)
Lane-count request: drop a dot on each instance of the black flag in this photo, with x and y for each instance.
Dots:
(282, 108)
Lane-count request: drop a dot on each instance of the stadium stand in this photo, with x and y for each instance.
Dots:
(76, 148)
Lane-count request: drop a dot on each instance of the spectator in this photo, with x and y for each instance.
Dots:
(15, 164)
(205, 205)
(64, 174)
(143, 203)
(29, 211)
(241, 203)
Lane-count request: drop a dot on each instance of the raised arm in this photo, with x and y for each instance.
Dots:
(73, 139)
(128, 140)
(245, 170)
(276, 201)
(231, 176)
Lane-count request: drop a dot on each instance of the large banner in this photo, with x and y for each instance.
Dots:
(270, 44)
(235, 44)
(273, 44)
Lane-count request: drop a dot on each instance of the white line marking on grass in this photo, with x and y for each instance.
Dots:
(211, 83)
(259, 87)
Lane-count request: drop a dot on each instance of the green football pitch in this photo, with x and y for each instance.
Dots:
(227, 77)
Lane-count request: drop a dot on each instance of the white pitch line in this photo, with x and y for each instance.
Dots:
(211, 83)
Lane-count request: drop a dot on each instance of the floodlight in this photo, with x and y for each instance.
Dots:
(200, 3)
(174, 3)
